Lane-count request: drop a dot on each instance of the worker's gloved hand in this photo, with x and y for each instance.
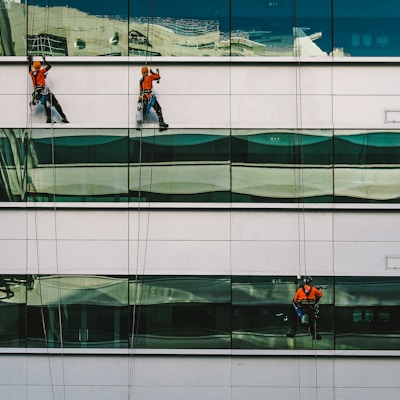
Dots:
(44, 58)
(151, 71)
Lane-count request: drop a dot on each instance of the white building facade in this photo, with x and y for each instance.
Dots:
(139, 263)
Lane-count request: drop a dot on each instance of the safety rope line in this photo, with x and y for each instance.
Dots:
(139, 278)
(38, 261)
(32, 11)
(333, 189)
(298, 164)
(50, 96)
(231, 363)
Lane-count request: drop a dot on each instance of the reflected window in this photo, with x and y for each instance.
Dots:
(48, 45)
(114, 40)
(80, 44)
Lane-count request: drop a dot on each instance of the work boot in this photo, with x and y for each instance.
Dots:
(65, 121)
(163, 125)
(291, 334)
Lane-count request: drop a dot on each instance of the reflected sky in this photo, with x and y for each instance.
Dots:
(180, 9)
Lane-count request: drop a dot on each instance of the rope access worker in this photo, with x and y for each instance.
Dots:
(41, 93)
(305, 308)
(147, 99)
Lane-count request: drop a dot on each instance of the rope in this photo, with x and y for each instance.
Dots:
(231, 194)
(139, 286)
(29, 138)
(333, 183)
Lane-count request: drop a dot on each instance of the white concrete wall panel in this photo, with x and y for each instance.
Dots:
(201, 377)
(212, 95)
(371, 227)
(172, 377)
(14, 111)
(13, 256)
(183, 257)
(199, 242)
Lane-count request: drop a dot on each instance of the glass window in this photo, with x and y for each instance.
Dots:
(267, 166)
(367, 313)
(77, 28)
(192, 167)
(78, 311)
(282, 166)
(13, 310)
(281, 28)
(91, 165)
(179, 28)
(195, 312)
(181, 311)
(12, 28)
(262, 313)
(367, 28)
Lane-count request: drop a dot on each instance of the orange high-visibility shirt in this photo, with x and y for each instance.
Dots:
(313, 293)
(147, 83)
(38, 77)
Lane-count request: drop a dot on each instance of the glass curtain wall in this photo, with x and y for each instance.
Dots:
(195, 312)
(250, 166)
(355, 28)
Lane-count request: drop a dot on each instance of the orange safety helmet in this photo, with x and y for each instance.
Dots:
(145, 70)
(36, 65)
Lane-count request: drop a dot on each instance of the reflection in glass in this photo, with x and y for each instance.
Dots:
(115, 165)
(367, 28)
(13, 290)
(367, 313)
(207, 28)
(179, 28)
(76, 28)
(261, 313)
(181, 312)
(78, 311)
(281, 28)
(194, 312)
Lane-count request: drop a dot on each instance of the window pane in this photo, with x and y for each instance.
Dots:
(181, 312)
(179, 28)
(78, 311)
(367, 27)
(282, 166)
(281, 28)
(262, 314)
(13, 310)
(91, 165)
(12, 28)
(77, 28)
(367, 315)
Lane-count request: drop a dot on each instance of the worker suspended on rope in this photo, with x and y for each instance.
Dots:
(147, 98)
(41, 92)
(305, 308)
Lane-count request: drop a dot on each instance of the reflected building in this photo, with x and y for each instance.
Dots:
(138, 263)
(66, 31)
